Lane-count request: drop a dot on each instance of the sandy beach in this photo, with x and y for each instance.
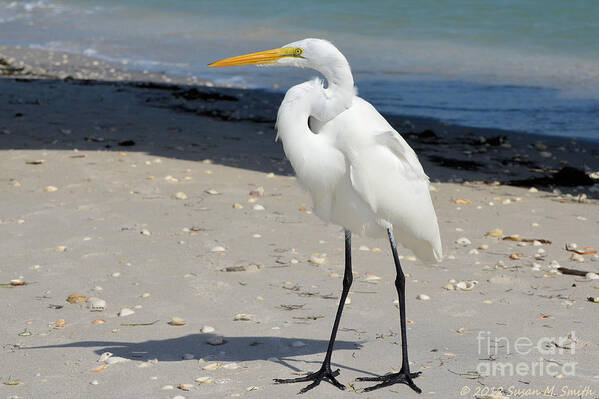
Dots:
(168, 199)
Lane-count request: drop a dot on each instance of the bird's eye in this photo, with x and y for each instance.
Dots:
(298, 51)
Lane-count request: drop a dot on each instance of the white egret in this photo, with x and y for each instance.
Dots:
(360, 173)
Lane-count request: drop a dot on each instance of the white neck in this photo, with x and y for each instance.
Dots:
(338, 95)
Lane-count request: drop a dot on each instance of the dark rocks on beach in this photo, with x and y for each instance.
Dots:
(195, 94)
(566, 176)
(455, 163)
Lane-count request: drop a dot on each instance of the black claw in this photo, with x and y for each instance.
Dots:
(390, 379)
(325, 373)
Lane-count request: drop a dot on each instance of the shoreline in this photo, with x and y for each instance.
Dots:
(486, 154)
(41, 63)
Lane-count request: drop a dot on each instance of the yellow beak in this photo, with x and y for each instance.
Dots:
(259, 58)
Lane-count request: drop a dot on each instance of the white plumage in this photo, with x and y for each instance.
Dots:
(360, 172)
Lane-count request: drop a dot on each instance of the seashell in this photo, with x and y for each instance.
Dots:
(371, 278)
(449, 287)
(180, 195)
(212, 192)
(185, 387)
(96, 304)
(317, 260)
(423, 297)
(177, 321)
(61, 323)
(99, 321)
(592, 276)
(216, 340)
(258, 207)
(258, 192)
(145, 232)
(571, 246)
(577, 258)
(494, 233)
(466, 285)
(126, 312)
(243, 317)
(167, 387)
(463, 241)
(237, 206)
(231, 366)
(212, 366)
(207, 329)
(218, 248)
(50, 189)
(17, 282)
(203, 380)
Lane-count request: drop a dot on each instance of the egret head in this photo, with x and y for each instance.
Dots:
(316, 54)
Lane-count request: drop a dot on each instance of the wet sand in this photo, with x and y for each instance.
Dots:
(144, 190)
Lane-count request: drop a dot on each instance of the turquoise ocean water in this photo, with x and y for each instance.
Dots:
(527, 65)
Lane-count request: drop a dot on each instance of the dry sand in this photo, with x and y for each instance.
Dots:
(176, 225)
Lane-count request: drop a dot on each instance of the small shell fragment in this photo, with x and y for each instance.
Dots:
(466, 285)
(126, 312)
(99, 321)
(17, 282)
(61, 323)
(317, 260)
(577, 258)
(592, 276)
(371, 278)
(231, 366)
(180, 195)
(50, 189)
(96, 304)
(204, 380)
(423, 297)
(185, 387)
(243, 317)
(212, 366)
(212, 192)
(496, 233)
(207, 329)
(177, 321)
(463, 241)
(218, 248)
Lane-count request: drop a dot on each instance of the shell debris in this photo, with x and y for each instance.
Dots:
(243, 317)
(177, 321)
(204, 380)
(124, 312)
(96, 304)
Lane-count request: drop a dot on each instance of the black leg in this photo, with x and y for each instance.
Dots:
(404, 376)
(325, 372)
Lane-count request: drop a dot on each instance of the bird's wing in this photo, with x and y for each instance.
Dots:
(386, 173)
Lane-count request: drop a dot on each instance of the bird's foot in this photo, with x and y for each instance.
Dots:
(325, 373)
(395, 378)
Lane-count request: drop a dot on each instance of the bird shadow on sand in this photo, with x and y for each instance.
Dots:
(284, 351)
